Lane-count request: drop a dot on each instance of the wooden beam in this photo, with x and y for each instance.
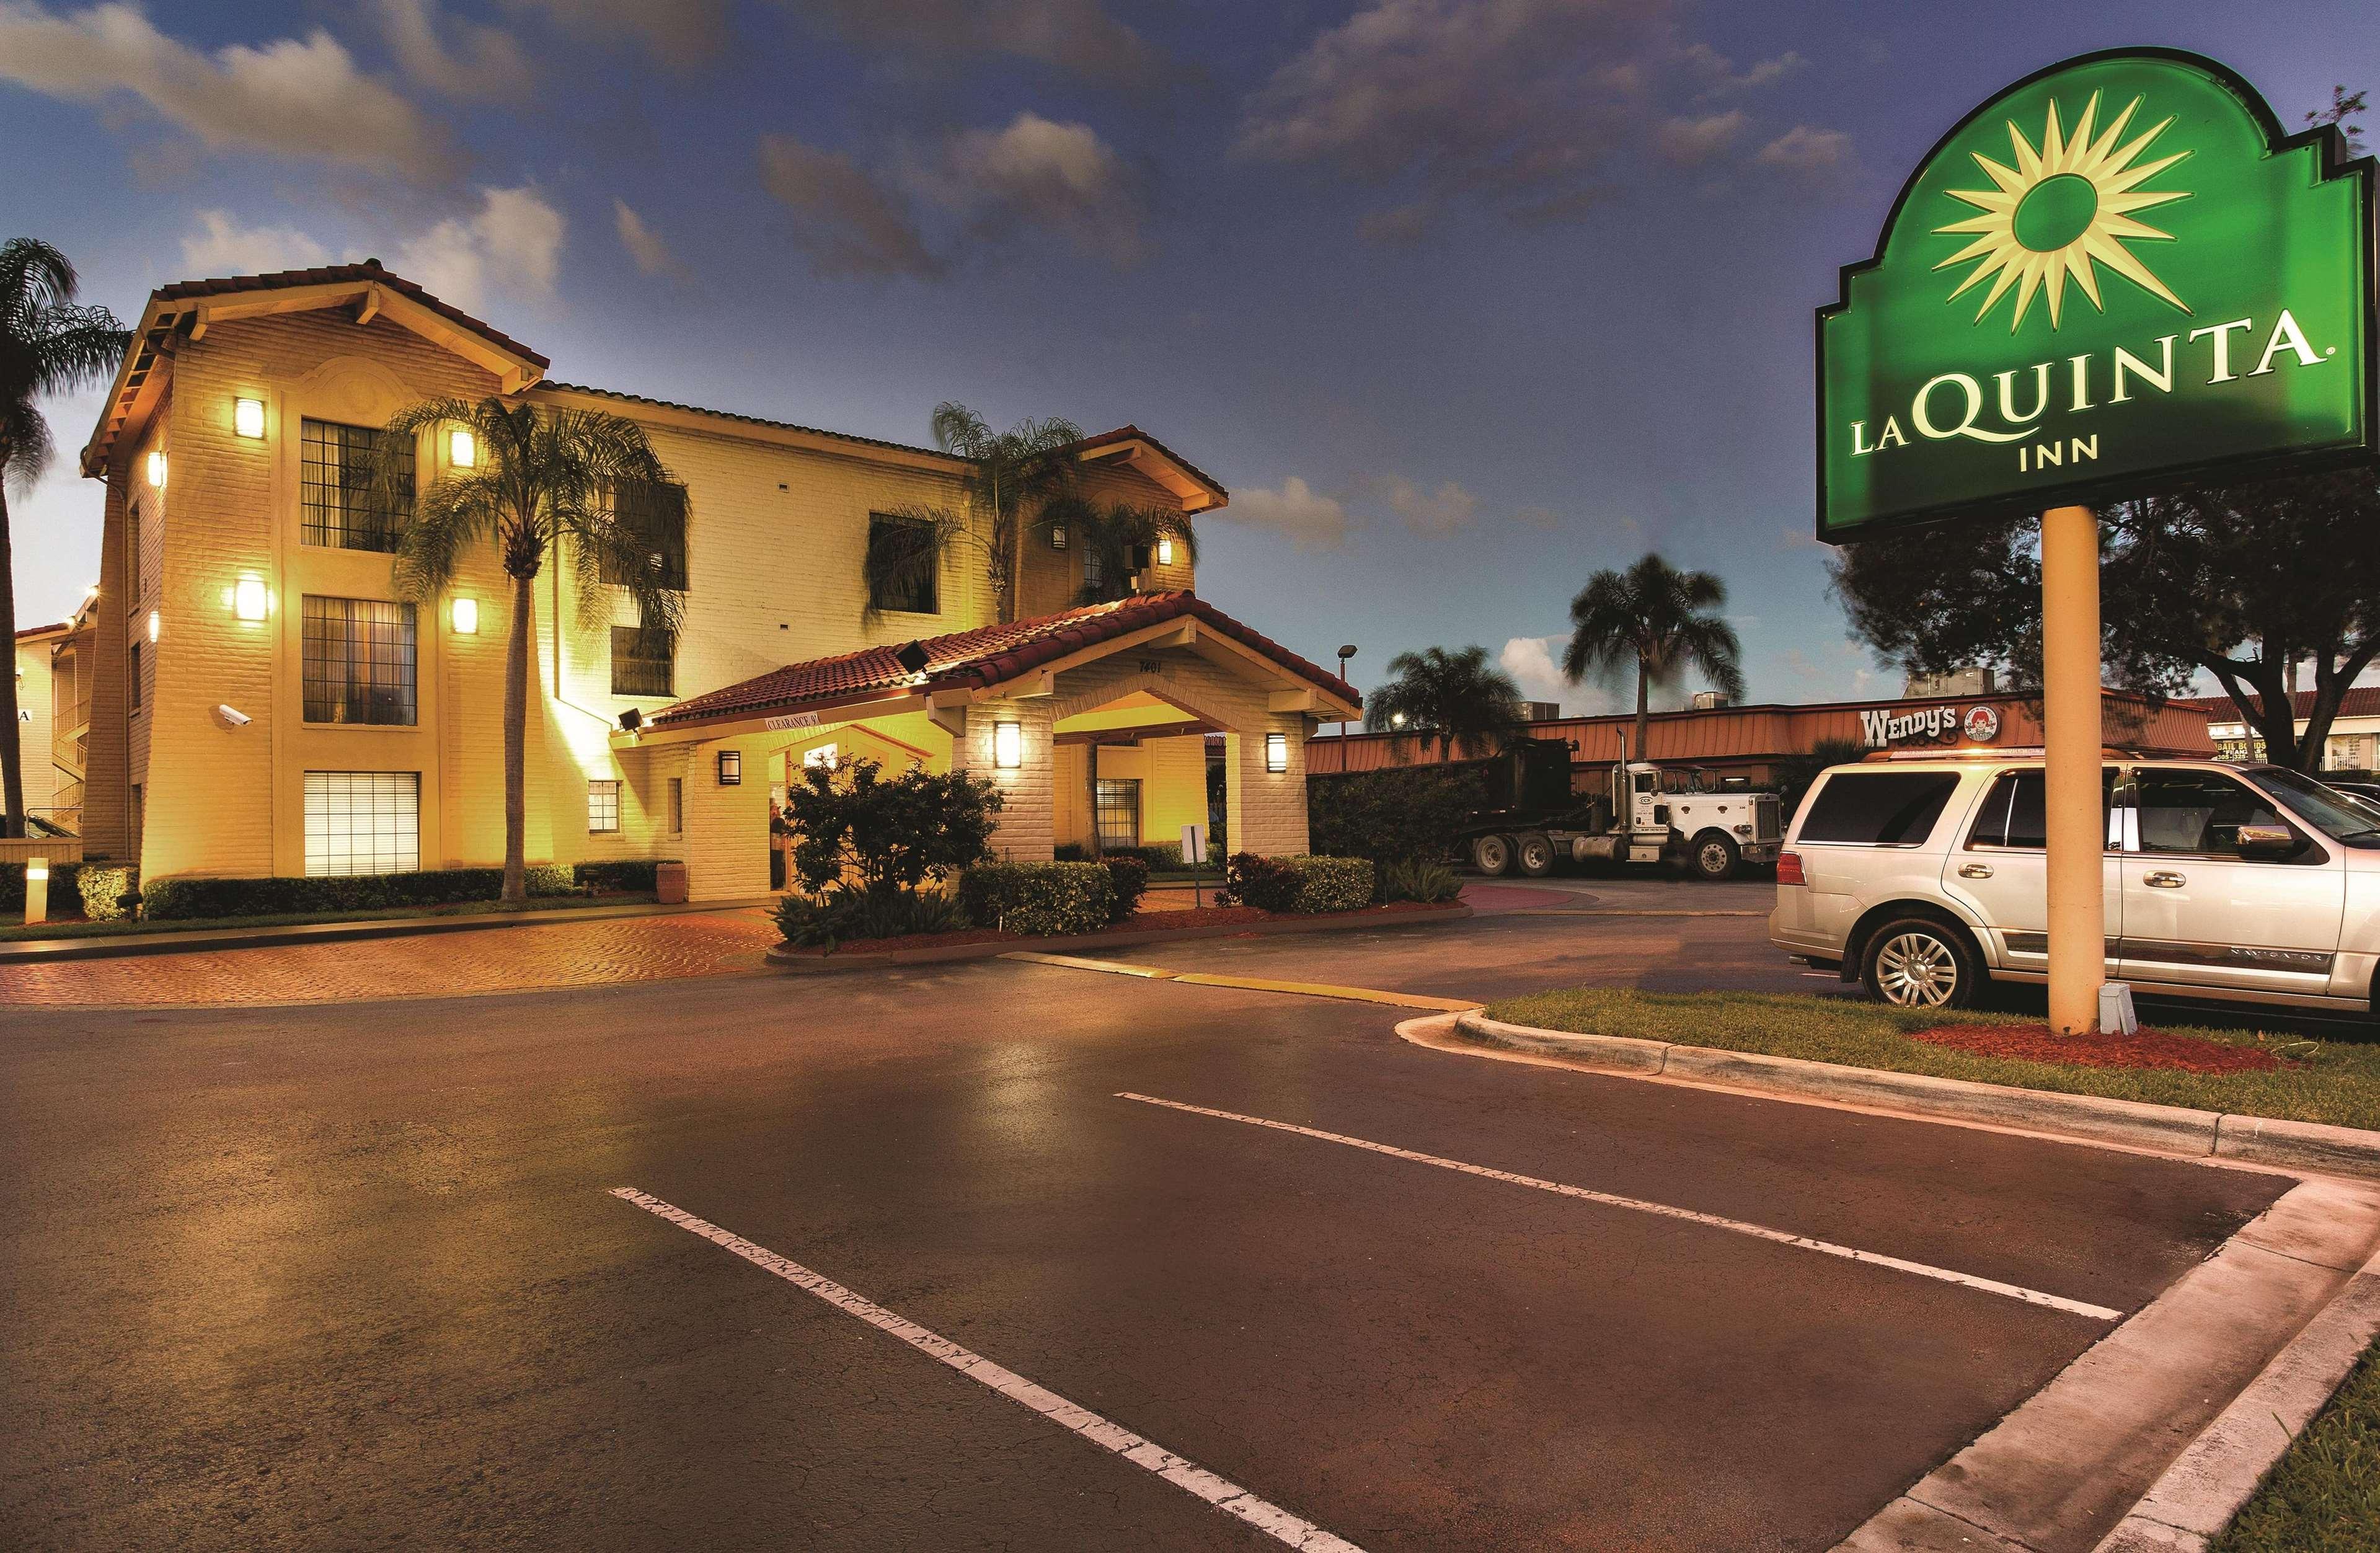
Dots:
(368, 309)
(1291, 700)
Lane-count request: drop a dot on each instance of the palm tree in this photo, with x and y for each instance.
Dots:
(48, 345)
(1657, 619)
(1113, 537)
(1455, 699)
(1012, 476)
(543, 477)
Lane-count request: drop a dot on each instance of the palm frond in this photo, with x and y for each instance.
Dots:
(465, 507)
(72, 346)
(25, 447)
(35, 277)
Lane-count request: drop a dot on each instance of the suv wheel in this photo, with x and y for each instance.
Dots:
(1535, 853)
(1715, 856)
(1917, 962)
(1491, 855)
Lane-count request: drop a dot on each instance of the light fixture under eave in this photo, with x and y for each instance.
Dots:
(248, 418)
(466, 617)
(247, 599)
(1007, 746)
(1275, 752)
(462, 448)
(155, 625)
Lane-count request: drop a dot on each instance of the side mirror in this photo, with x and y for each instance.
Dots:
(2267, 840)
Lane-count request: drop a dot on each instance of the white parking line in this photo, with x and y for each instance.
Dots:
(1183, 1473)
(1708, 1221)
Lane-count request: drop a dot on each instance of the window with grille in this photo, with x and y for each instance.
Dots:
(339, 506)
(642, 661)
(1118, 816)
(903, 565)
(359, 661)
(363, 822)
(602, 806)
(655, 515)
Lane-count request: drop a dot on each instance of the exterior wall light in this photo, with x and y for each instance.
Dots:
(466, 617)
(1275, 752)
(248, 599)
(1165, 553)
(462, 448)
(248, 418)
(731, 767)
(157, 467)
(154, 625)
(1007, 746)
(1057, 535)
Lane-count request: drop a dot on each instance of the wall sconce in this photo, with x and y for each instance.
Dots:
(248, 600)
(154, 625)
(1275, 752)
(157, 467)
(1057, 535)
(731, 767)
(1165, 553)
(462, 448)
(248, 418)
(1007, 746)
(466, 617)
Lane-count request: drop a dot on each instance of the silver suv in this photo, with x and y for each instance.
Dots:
(1922, 878)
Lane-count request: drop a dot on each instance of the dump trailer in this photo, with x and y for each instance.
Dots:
(1539, 822)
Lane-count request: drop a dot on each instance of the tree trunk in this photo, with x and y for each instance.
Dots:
(515, 744)
(1091, 793)
(12, 744)
(1643, 709)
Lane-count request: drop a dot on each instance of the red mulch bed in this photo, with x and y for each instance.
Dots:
(2149, 1048)
(1139, 922)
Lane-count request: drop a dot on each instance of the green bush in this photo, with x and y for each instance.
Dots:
(1042, 899)
(1128, 881)
(1415, 878)
(1157, 859)
(845, 916)
(1327, 884)
(1251, 879)
(860, 829)
(181, 898)
(1414, 811)
(109, 890)
(627, 876)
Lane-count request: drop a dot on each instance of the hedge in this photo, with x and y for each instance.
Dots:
(628, 875)
(178, 898)
(1415, 811)
(1298, 884)
(64, 888)
(1042, 899)
(1159, 859)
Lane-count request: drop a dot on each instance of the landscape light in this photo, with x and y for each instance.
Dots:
(247, 598)
(1275, 752)
(248, 418)
(462, 448)
(157, 469)
(466, 617)
(1007, 746)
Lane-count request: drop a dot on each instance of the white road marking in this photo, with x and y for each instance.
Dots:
(1183, 1473)
(1709, 1220)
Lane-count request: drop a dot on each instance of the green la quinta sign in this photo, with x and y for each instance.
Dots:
(2116, 273)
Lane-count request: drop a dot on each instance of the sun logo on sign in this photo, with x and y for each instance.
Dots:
(2062, 211)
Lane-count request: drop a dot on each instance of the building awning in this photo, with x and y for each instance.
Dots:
(993, 661)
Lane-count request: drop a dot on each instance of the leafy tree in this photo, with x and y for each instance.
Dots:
(1457, 700)
(48, 345)
(545, 481)
(1012, 476)
(1660, 620)
(2241, 582)
(859, 828)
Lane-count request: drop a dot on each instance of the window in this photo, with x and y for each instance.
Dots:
(1119, 812)
(337, 505)
(135, 676)
(134, 590)
(602, 807)
(1878, 808)
(362, 822)
(655, 515)
(1095, 571)
(642, 661)
(2014, 813)
(903, 563)
(2343, 817)
(359, 661)
(677, 806)
(2196, 812)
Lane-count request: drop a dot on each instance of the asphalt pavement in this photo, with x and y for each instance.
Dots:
(345, 1277)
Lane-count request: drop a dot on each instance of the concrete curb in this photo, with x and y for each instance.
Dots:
(992, 948)
(2297, 1145)
(42, 952)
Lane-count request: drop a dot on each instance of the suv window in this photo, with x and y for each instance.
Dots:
(2196, 812)
(1878, 808)
(2014, 812)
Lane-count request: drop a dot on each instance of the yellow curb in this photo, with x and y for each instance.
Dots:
(1249, 984)
(1076, 963)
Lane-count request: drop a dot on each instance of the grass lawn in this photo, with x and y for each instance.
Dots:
(2325, 1495)
(81, 930)
(2324, 1079)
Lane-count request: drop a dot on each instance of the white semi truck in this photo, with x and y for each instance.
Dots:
(1713, 833)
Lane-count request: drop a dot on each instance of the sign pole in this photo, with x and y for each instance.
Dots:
(2077, 824)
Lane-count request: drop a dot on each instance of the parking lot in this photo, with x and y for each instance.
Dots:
(309, 1276)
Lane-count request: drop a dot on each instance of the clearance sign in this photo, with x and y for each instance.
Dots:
(2118, 273)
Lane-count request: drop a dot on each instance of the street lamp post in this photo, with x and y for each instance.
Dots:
(1345, 653)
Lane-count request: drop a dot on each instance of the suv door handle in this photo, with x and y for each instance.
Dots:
(2163, 878)
(1976, 870)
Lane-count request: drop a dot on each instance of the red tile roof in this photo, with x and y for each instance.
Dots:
(982, 657)
(44, 630)
(335, 274)
(2361, 700)
(747, 419)
(1130, 433)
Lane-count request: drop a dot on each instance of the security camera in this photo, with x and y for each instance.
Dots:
(231, 717)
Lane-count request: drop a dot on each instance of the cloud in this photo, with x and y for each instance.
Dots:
(1310, 520)
(843, 220)
(301, 98)
(645, 246)
(1530, 661)
(483, 63)
(1036, 172)
(1719, 71)
(1537, 517)
(1077, 36)
(683, 32)
(1690, 143)
(222, 247)
(513, 244)
(1437, 514)
(1812, 153)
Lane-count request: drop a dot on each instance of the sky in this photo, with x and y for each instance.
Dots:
(1464, 300)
